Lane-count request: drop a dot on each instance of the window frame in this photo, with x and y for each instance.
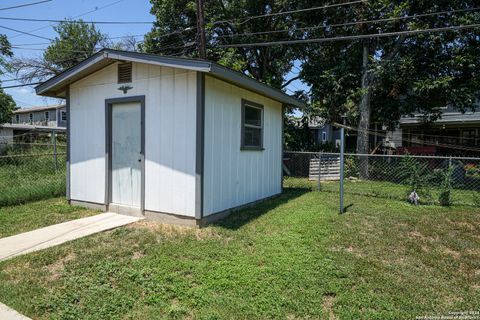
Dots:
(30, 117)
(17, 118)
(252, 104)
(63, 112)
(324, 136)
(47, 115)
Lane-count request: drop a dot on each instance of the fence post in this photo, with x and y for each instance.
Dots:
(54, 138)
(342, 158)
(319, 170)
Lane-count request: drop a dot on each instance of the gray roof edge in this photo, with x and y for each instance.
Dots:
(254, 85)
(41, 88)
(191, 64)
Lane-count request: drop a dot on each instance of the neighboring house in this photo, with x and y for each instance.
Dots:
(176, 140)
(461, 130)
(27, 123)
(454, 128)
(47, 116)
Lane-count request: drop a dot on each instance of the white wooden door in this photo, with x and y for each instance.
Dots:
(126, 158)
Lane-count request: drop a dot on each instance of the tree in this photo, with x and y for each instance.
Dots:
(382, 79)
(75, 41)
(174, 33)
(7, 105)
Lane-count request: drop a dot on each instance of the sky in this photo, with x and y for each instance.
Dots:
(88, 10)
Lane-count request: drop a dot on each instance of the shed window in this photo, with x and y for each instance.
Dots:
(64, 115)
(17, 118)
(252, 126)
(324, 136)
(125, 72)
(47, 115)
(30, 117)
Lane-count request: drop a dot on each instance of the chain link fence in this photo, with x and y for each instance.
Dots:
(32, 170)
(436, 180)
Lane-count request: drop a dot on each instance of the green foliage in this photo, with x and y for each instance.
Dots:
(297, 134)
(75, 41)
(446, 186)
(415, 174)
(267, 64)
(406, 74)
(7, 106)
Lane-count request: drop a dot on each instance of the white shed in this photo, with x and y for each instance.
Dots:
(177, 140)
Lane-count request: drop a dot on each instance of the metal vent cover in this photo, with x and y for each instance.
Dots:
(124, 72)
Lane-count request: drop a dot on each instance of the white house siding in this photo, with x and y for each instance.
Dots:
(233, 177)
(170, 105)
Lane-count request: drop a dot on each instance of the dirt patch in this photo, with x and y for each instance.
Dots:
(174, 231)
(55, 269)
(328, 301)
(15, 272)
(451, 252)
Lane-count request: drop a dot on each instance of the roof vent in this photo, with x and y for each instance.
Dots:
(125, 72)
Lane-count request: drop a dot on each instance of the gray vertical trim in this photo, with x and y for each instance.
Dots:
(200, 145)
(108, 146)
(68, 195)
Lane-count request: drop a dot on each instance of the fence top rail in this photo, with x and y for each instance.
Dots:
(33, 155)
(382, 155)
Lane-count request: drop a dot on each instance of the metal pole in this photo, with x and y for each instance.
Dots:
(319, 170)
(54, 138)
(342, 156)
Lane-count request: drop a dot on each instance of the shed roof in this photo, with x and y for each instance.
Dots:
(55, 87)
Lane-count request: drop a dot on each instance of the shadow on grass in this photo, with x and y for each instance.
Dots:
(237, 219)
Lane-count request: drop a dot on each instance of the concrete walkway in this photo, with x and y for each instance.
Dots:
(7, 313)
(59, 233)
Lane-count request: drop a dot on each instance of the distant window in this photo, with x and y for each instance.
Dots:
(17, 118)
(324, 136)
(125, 72)
(252, 125)
(30, 117)
(64, 115)
(47, 115)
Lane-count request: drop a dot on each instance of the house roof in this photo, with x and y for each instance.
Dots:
(31, 127)
(39, 108)
(56, 86)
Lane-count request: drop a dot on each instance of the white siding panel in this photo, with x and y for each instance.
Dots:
(233, 177)
(170, 135)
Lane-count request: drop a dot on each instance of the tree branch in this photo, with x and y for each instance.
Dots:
(290, 81)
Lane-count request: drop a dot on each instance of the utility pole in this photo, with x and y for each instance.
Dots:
(201, 42)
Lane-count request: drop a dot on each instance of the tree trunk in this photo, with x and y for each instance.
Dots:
(364, 121)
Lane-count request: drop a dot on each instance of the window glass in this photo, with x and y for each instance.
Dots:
(253, 116)
(252, 123)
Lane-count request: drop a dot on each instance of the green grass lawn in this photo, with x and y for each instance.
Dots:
(387, 190)
(290, 257)
(31, 177)
(27, 217)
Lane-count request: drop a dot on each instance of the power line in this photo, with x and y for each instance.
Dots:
(292, 11)
(351, 23)
(27, 33)
(77, 16)
(76, 21)
(343, 38)
(21, 85)
(25, 5)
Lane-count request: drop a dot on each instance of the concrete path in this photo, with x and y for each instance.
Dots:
(59, 233)
(7, 313)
